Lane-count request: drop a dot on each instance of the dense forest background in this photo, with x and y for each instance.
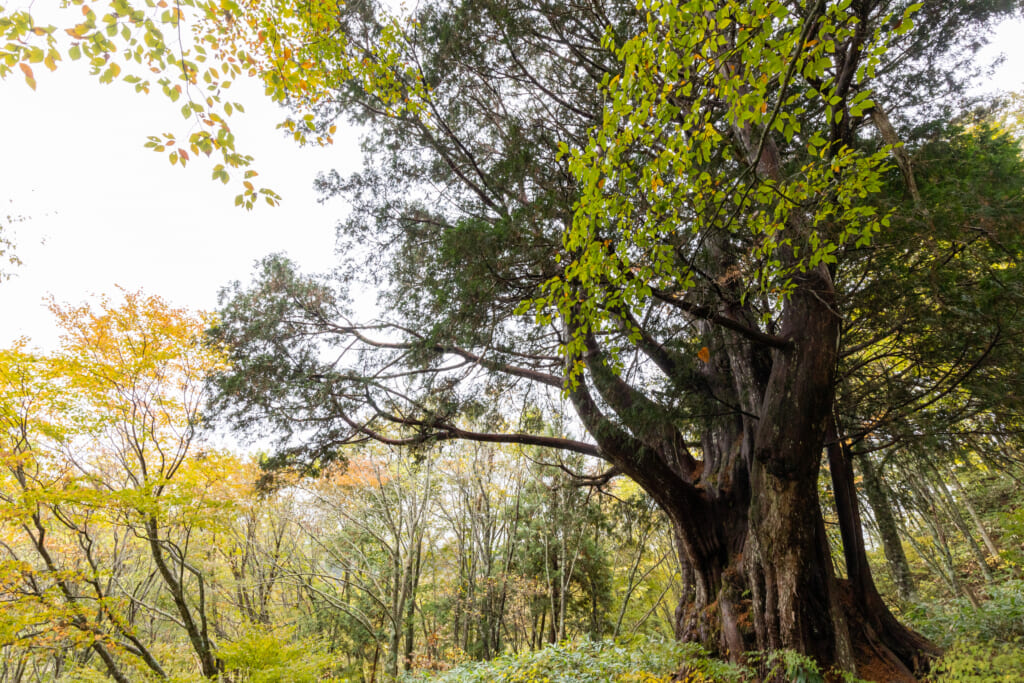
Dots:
(697, 358)
(134, 548)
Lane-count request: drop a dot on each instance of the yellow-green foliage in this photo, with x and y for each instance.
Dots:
(629, 661)
(998, 619)
(271, 657)
(974, 663)
(637, 661)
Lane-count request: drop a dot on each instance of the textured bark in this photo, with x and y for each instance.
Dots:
(751, 524)
(765, 537)
(795, 596)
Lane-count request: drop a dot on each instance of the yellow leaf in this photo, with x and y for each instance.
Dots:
(29, 77)
(704, 355)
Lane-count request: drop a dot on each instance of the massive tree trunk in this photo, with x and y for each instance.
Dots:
(751, 533)
(795, 598)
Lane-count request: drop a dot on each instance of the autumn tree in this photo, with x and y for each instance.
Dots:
(480, 510)
(561, 551)
(368, 536)
(106, 487)
(139, 369)
(53, 541)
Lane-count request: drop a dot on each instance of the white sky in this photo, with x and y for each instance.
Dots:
(102, 211)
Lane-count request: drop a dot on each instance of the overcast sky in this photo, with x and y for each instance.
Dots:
(101, 211)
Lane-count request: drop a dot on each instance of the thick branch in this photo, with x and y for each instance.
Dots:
(889, 135)
(447, 432)
(706, 313)
(648, 420)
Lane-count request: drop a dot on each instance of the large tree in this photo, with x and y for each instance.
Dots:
(671, 218)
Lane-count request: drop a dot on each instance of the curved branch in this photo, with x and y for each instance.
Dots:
(448, 432)
(651, 422)
(707, 313)
(515, 370)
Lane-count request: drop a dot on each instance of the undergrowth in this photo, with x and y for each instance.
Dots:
(269, 660)
(636, 661)
(658, 661)
(999, 618)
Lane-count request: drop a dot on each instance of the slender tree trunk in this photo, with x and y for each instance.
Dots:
(888, 529)
(374, 663)
(410, 612)
(79, 620)
(873, 625)
(209, 664)
(934, 562)
(109, 661)
(396, 614)
(929, 516)
(965, 500)
(631, 583)
(953, 512)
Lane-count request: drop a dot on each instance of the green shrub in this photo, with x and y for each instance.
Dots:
(793, 667)
(975, 663)
(635, 661)
(274, 658)
(1000, 618)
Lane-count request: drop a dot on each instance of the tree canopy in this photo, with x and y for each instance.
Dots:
(695, 205)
